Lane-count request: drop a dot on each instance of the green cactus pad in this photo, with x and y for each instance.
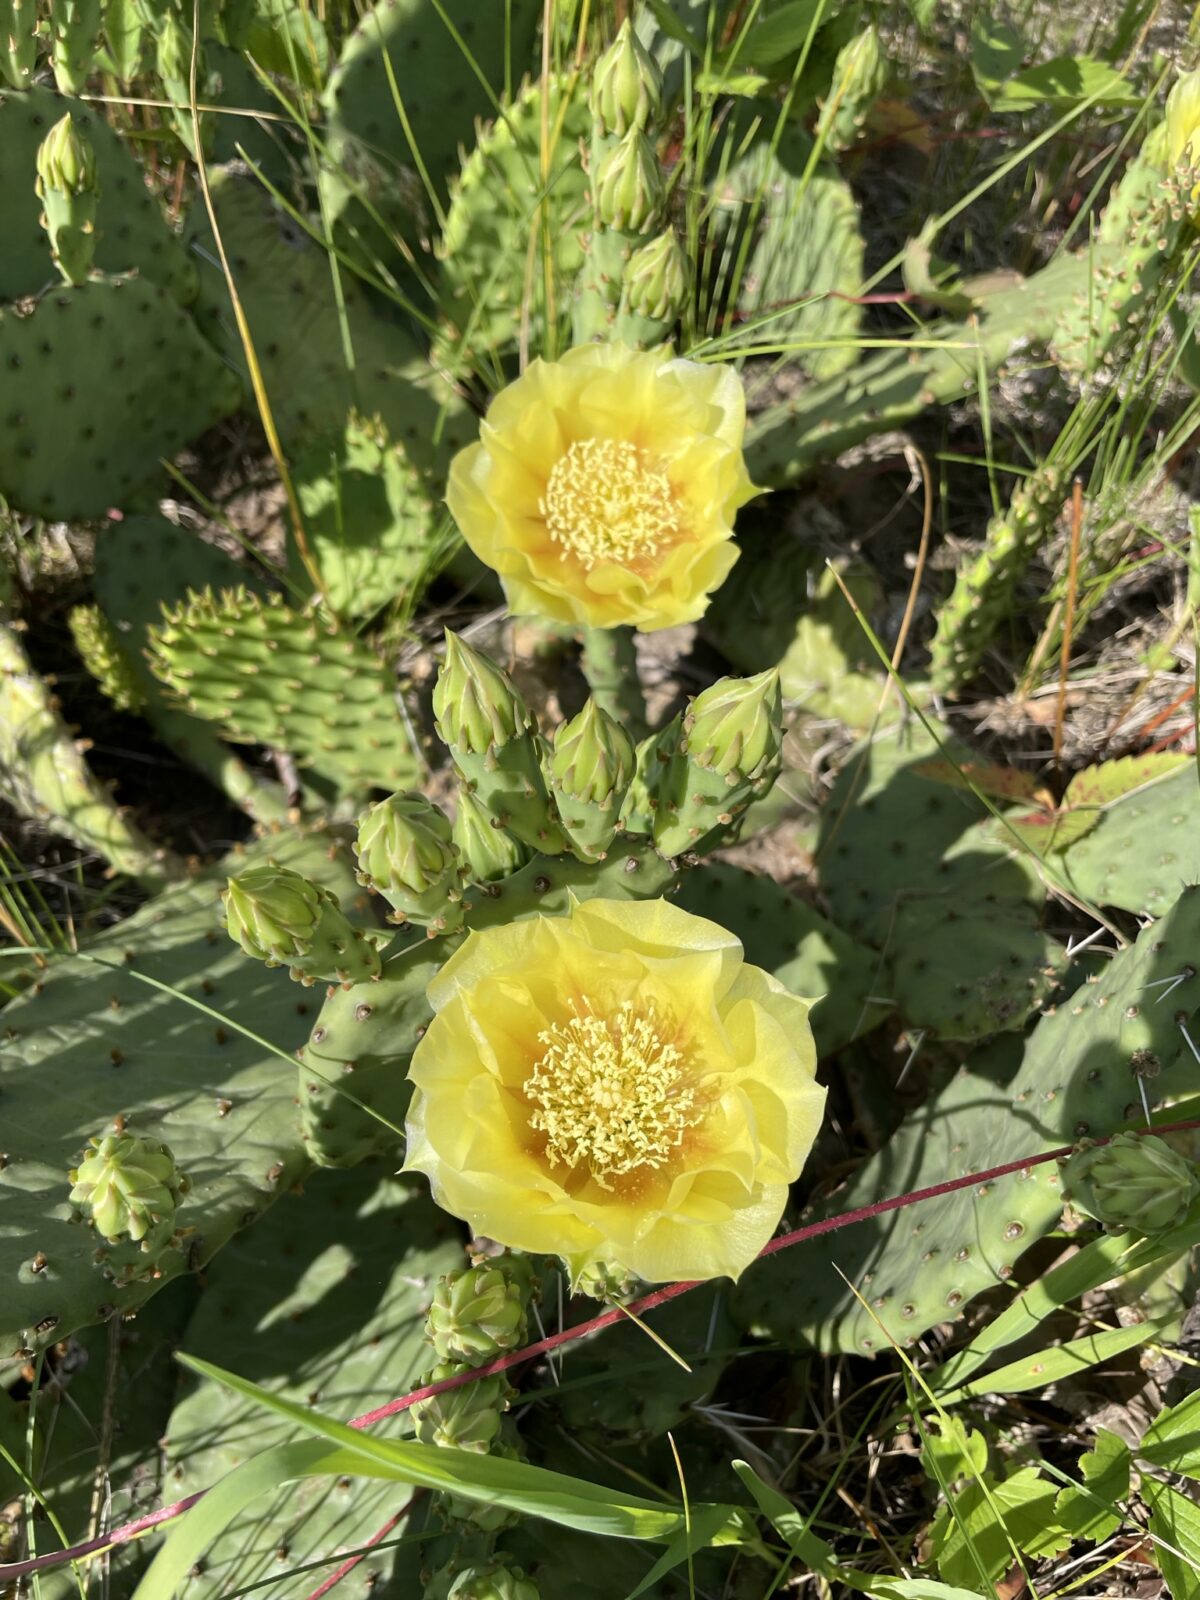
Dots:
(794, 943)
(509, 231)
(369, 518)
(443, 83)
(1143, 850)
(131, 381)
(265, 674)
(322, 1303)
(141, 565)
(1082, 1073)
(785, 236)
(91, 1042)
(284, 282)
(43, 774)
(132, 233)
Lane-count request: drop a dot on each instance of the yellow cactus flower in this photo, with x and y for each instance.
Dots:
(615, 1086)
(1183, 123)
(604, 486)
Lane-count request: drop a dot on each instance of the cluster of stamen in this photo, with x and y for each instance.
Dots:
(611, 1093)
(605, 502)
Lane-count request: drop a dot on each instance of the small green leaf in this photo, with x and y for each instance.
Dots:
(1092, 1510)
(988, 1520)
(782, 33)
(1111, 780)
(1065, 81)
(997, 50)
(951, 1451)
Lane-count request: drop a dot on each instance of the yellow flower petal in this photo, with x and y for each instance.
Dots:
(603, 488)
(615, 1086)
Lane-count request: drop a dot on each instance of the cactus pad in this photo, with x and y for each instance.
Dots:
(1084, 1069)
(508, 229)
(131, 381)
(1144, 849)
(132, 233)
(264, 674)
(91, 1048)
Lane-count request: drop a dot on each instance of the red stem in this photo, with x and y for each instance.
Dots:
(606, 1319)
(349, 1565)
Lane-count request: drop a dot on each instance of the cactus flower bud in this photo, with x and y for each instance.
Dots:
(736, 726)
(66, 160)
(477, 1314)
(607, 1282)
(495, 1581)
(475, 702)
(627, 85)
(406, 853)
(280, 917)
(466, 1418)
(1135, 1181)
(67, 187)
(489, 852)
(628, 185)
(129, 1188)
(656, 279)
(590, 772)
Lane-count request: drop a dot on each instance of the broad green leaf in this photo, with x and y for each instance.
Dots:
(673, 28)
(782, 32)
(987, 1520)
(492, 1480)
(1092, 1510)
(1101, 785)
(1054, 1364)
(997, 50)
(1065, 81)
(1175, 1529)
(211, 1516)
(1173, 1439)
(951, 1451)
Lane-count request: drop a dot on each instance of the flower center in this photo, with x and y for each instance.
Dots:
(610, 1093)
(603, 502)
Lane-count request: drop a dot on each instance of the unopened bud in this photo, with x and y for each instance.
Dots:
(656, 279)
(66, 160)
(1135, 1181)
(278, 916)
(477, 1314)
(475, 702)
(489, 852)
(628, 186)
(128, 1188)
(405, 853)
(627, 85)
(736, 726)
(465, 1418)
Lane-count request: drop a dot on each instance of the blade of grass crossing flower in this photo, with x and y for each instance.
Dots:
(533, 1491)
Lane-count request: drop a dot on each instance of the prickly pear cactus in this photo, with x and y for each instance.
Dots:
(1135, 1182)
(511, 233)
(265, 674)
(131, 381)
(1085, 1070)
(981, 599)
(1143, 850)
(284, 283)
(281, 918)
(446, 62)
(103, 1044)
(98, 646)
(348, 1269)
(786, 237)
(131, 232)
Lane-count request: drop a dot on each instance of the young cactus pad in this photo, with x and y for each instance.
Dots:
(1085, 1070)
(92, 1049)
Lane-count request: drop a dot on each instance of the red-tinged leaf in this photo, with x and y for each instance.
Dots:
(1047, 831)
(1099, 786)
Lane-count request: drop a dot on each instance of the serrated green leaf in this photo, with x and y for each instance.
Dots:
(1092, 1510)
(1065, 81)
(782, 33)
(989, 1519)
(1101, 785)
(951, 1451)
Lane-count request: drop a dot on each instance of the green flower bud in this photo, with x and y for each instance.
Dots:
(593, 757)
(280, 917)
(656, 279)
(495, 1581)
(475, 702)
(65, 160)
(607, 1281)
(736, 726)
(466, 1418)
(1136, 1181)
(477, 1314)
(628, 186)
(405, 853)
(99, 648)
(627, 85)
(129, 1188)
(272, 912)
(489, 852)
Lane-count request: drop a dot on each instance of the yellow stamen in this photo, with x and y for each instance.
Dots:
(610, 1093)
(605, 502)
